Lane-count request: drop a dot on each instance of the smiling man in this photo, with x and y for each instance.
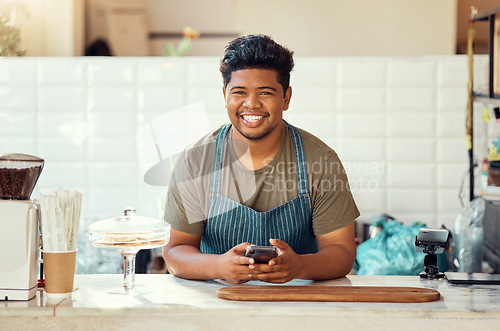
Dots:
(259, 181)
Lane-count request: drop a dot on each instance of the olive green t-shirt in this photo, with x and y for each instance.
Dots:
(187, 199)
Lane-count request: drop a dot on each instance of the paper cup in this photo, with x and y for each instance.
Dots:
(59, 268)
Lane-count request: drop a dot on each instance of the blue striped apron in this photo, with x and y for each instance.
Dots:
(230, 223)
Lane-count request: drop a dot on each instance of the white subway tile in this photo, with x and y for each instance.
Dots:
(18, 98)
(408, 218)
(411, 201)
(448, 219)
(20, 123)
(369, 170)
(104, 124)
(151, 201)
(63, 174)
(317, 123)
(453, 72)
(113, 71)
(173, 130)
(52, 71)
(406, 175)
(155, 98)
(217, 118)
(62, 98)
(409, 150)
(120, 99)
(411, 124)
(361, 124)
(306, 98)
(354, 149)
(448, 201)
(450, 124)
(198, 122)
(366, 176)
(19, 144)
(110, 201)
(362, 72)
(211, 96)
(330, 141)
(205, 72)
(14, 71)
(70, 123)
(452, 150)
(114, 174)
(61, 149)
(373, 200)
(411, 72)
(452, 99)
(361, 99)
(418, 99)
(313, 72)
(162, 71)
(145, 116)
(113, 149)
(451, 174)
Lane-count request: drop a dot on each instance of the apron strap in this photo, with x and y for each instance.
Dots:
(217, 160)
(300, 156)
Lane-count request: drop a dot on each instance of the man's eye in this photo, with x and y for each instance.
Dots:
(266, 93)
(237, 92)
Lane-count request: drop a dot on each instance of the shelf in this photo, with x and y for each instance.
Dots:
(484, 98)
(491, 96)
(486, 15)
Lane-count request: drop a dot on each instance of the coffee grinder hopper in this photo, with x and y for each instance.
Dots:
(18, 175)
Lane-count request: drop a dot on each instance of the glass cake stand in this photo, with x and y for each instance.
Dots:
(129, 234)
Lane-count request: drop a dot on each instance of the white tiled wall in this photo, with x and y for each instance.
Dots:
(398, 125)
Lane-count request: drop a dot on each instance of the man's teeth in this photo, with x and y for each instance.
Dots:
(252, 118)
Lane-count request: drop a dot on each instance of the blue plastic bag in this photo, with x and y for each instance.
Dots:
(391, 251)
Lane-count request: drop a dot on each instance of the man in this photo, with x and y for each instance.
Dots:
(259, 180)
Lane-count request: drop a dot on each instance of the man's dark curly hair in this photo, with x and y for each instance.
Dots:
(257, 52)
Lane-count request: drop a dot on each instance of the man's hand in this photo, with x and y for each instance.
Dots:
(184, 259)
(281, 269)
(233, 265)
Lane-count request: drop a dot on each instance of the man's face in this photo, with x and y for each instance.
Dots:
(255, 102)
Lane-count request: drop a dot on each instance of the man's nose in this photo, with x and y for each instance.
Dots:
(252, 101)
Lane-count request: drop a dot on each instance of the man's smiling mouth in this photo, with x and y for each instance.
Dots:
(252, 118)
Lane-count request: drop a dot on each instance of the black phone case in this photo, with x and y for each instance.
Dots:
(261, 254)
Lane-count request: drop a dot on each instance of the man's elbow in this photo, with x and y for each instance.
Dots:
(345, 267)
(168, 262)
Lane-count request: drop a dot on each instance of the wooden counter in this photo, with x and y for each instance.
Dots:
(179, 304)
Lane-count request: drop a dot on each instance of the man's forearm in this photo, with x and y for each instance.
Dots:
(331, 262)
(186, 261)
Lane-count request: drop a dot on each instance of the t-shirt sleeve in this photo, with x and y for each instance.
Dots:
(333, 203)
(183, 208)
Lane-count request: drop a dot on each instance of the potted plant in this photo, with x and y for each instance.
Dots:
(188, 36)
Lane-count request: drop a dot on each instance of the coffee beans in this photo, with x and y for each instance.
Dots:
(18, 183)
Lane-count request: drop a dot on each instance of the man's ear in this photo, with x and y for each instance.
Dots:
(288, 96)
(224, 94)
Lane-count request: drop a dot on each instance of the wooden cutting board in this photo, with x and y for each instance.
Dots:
(328, 293)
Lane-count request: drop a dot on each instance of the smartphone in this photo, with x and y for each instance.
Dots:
(261, 254)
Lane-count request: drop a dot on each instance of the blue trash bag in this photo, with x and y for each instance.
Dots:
(391, 251)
